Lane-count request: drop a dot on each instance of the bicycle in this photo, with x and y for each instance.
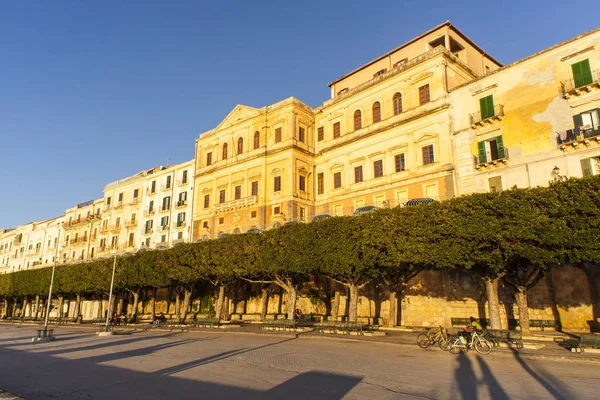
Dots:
(424, 340)
(478, 341)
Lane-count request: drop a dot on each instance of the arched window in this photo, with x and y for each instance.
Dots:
(376, 112)
(256, 140)
(357, 120)
(397, 100)
(224, 151)
(240, 146)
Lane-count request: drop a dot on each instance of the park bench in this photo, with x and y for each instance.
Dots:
(279, 325)
(45, 333)
(463, 322)
(508, 336)
(346, 327)
(207, 322)
(590, 341)
(543, 323)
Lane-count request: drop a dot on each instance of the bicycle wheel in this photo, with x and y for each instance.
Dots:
(444, 343)
(482, 346)
(455, 346)
(423, 341)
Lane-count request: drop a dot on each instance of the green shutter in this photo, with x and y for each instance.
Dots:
(486, 105)
(482, 155)
(586, 167)
(582, 73)
(578, 120)
(500, 145)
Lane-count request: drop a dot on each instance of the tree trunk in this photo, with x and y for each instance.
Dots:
(5, 310)
(61, 300)
(100, 314)
(335, 307)
(393, 314)
(292, 296)
(226, 306)
(14, 310)
(77, 310)
(153, 304)
(37, 307)
(264, 303)
(187, 298)
(353, 311)
(136, 302)
(120, 304)
(220, 301)
(177, 303)
(25, 304)
(521, 297)
(491, 288)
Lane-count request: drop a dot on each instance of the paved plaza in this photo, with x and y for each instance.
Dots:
(195, 365)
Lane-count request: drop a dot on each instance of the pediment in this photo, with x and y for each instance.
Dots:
(237, 115)
(426, 136)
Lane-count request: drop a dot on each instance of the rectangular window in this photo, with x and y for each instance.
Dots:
(208, 159)
(253, 214)
(255, 188)
(163, 238)
(358, 174)
(164, 221)
(320, 134)
(182, 198)
(166, 203)
(302, 183)
(588, 122)
(153, 187)
(277, 184)
(337, 180)
(238, 192)
(424, 94)
(151, 206)
(495, 184)
(277, 210)
(400, 162)
(378, 169)
(582, 73)
(168, 182)
(184, 177)
(486, 106)
(301, 134)
(205, 224)
(222, 196)
(491, 150)
(180, 218)
(136, 192)
(149, 224)
(179, 235)
(320, 183)
(428, 155)
(336, 130)
(302, 214)
(108, 201)
(206, 200)
(120, 198)
(590, 166)
(277, 135)
(133, 217)
(131, 239)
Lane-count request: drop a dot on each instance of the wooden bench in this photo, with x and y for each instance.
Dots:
(45, 333)
(463, 322)
(543, 323)
(590, 341)
(501, 335)
(345, 327)
(207, 322)
(279, 325)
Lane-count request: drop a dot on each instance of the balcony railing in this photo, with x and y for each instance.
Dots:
(165, 208)
(134, 202)
(166, 188)
(149, 213)
(131, 224)
(181, 203)
(181, 182)
(570, 87)
(479, 119)
(164, 228)
(119, 205)
(104, 229)
(107, 209)
(150, 192)
(235, 204)
(578, 135)
(148, 231)
(180, 224)
(500, 159)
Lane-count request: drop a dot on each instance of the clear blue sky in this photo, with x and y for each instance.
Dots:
(95, 91)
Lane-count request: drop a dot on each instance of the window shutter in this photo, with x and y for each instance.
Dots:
(482, 155)
(582, 73)
(500, 145)
(486, 105)
(578, 120)
(586, 167)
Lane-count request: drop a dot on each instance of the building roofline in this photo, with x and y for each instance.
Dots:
(529, 57)
(447, 23)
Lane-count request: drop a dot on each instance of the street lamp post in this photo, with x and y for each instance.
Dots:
(112, 284)
(45, 332)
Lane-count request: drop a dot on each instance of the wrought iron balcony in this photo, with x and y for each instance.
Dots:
(150, 192)
(181, 182)
(578, 135)
(164, 228)
(166, 188)
(131, 224)
(119, 205)
(149, 213)
(180, 224)
(477, 119)
(165, 208)
(500, 159)
(235, 204)
(571, 88)
(148, 231)
(134, 202)
(181, 203)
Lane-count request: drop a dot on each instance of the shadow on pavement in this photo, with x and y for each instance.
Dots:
(91, 377)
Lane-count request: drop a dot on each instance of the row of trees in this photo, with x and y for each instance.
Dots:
(515, 236)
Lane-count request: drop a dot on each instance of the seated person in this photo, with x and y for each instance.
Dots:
(298, 314)
(474, 326)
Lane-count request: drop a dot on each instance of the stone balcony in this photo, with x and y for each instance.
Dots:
(235, 204)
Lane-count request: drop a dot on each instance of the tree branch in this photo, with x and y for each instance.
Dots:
(253, 281)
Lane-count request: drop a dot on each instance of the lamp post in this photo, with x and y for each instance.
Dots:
(112, 284)
(45, 334)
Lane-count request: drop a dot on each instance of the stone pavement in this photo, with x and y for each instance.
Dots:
(214, 363)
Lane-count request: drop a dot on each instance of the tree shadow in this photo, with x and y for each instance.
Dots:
(547, 381)
(494, 388)
(465, 378)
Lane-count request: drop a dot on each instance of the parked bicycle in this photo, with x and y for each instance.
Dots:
(477, 341)
(424, 340)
